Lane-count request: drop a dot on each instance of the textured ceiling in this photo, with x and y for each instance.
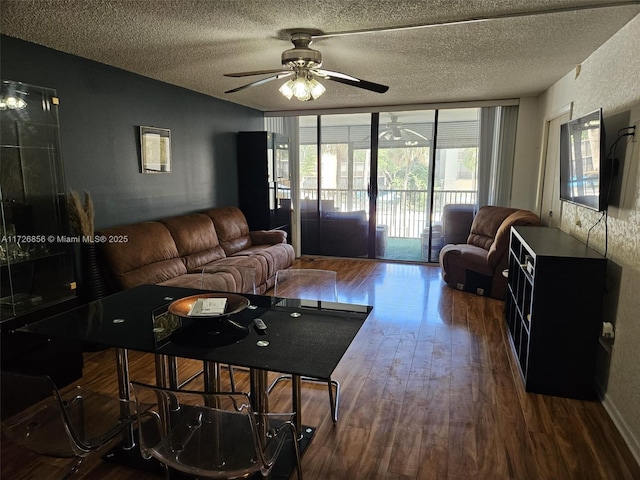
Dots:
(192, 43)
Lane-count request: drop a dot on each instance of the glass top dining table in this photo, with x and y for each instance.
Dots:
(302, 338)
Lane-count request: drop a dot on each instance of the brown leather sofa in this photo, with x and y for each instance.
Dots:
(476, 266)
(173, 251)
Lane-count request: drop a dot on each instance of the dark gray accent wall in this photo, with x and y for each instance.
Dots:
(101, 109)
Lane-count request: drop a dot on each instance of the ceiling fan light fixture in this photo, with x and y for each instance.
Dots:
(11, 102)
(316, 88)
(287, 89)
(303, 87)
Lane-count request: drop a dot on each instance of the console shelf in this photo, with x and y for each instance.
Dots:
(553, 310)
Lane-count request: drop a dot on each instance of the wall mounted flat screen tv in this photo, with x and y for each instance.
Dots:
(585, 174)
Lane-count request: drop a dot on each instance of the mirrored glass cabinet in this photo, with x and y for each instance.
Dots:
(36, 255)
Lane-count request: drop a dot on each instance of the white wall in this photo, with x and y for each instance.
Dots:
(527, 155)
(610, 78)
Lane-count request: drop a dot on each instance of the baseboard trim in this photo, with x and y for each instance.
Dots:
(630, 439)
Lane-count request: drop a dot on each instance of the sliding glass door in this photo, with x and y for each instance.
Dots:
(455, 173)
(334, 199)
(426, 159)
(375, 185)
(403, 206)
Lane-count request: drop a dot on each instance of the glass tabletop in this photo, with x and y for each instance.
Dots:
(302, 337)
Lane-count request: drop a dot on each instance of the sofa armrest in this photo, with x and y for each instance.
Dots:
(268, 237)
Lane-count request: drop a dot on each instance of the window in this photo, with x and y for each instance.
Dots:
(417, 174)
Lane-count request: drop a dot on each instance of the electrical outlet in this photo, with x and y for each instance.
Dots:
(608, 331)
(636, 132)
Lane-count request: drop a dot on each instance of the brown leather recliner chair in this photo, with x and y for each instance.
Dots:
(476, 266)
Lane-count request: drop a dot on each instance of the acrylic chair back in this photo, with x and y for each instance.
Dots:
(71, 422)
(307, 283)
(207, 435)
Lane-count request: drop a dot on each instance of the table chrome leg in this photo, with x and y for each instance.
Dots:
(211, 379)
(122, 362)
(211, 376)
(172, 370)
(259, 397)
(296, 403)
(161, 370)
(211, 372)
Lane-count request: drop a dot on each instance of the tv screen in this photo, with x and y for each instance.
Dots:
(584, 172)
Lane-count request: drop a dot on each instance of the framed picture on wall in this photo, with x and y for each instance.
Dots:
(155, 146)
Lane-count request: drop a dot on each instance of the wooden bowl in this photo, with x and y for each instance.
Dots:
(235, 304)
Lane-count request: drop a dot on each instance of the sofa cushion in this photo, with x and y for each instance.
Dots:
(187, 280)
(221, 282)
(148, 256)
(195, 238)
(275, 257)
(248, 265)
(231, 227)
(239, 277)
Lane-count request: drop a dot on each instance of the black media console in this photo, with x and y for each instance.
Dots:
(554, 310)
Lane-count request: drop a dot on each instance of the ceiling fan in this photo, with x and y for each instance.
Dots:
(302, 64)
(395, 131)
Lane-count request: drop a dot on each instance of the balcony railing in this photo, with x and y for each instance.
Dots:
(405, 212)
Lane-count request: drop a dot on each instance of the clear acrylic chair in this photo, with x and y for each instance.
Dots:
(72, 422)
(307, 284)
(310, 284)
(210, 435)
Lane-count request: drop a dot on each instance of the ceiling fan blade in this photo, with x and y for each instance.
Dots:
(328, 73)
(257, 72)
(416, 134)
(374, 87)
(260, 82)
(390, 134)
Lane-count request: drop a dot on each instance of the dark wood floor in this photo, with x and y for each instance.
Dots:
(430, 390)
